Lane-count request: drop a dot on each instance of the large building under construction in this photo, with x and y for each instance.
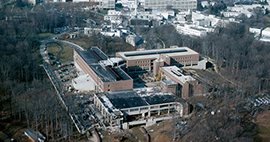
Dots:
(115, 98)
(117, 107)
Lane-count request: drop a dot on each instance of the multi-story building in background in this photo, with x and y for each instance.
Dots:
(107, 4)
(174, 4)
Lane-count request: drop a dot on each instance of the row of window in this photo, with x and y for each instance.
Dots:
(168, 3)
(142, 61)
(182, 58)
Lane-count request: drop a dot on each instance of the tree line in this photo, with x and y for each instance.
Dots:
(26, 93)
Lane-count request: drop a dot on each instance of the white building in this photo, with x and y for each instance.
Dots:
(128, 3)
(89, 31)
(247, 10)
(112, 33)
(213, 20)
(33, 2)
(114, 12)
(236, 14)
(164, 13)
(59, 0)
(190, 29)
(255, 30)
(266, 32)
(205, 3)
(107, 4)
(176, 4)
(265, 35)
(114, 16)
(80, 0)
(133, 39)
(117, 19)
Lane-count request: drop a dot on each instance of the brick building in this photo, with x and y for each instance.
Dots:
(105, 77)
(187, 85)
(152, 60)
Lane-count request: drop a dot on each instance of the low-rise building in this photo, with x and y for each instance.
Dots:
(114, 16)
(205, 3)
(90, 31)
(191, 30)
(256, 31)
(107, 4)
(187, 85)
(174, 4)
(112, 33)
(117, 19)
(80, 0)
(105, 77)
(152, 60)
(265, 35)
(133, 39)
(131, 4)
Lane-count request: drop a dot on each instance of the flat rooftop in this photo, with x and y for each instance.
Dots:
(153, 97)
(178, 74)
(124, 99)
(147, 54)
(99, 53)
(134, 98)
(92, 56)
(87, 56)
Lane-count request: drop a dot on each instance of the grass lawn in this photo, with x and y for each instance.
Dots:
(43, 35)
(263, 127)
(264, 132)
(66, 54)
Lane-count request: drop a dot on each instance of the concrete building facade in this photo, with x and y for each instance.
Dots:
(116, 106)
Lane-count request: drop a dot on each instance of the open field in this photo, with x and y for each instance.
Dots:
(43, 35)
(82, 41)
(66, 54)
(109, 45)
(161, 132)
(263, 128)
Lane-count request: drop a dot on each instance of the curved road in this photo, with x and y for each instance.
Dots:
(52, 39)
(58, 55)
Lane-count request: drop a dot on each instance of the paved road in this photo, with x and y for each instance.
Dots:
(163, 44)
(58, 55)
(53, 78)
(52, 39)
(71, 44)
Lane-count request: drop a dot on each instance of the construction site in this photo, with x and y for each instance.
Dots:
(102, 93)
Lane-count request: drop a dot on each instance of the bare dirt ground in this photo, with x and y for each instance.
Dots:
(263, 128)
(13, 130)
(161, 132)
(132, 135)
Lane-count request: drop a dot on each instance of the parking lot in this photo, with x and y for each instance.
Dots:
(261, 100)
